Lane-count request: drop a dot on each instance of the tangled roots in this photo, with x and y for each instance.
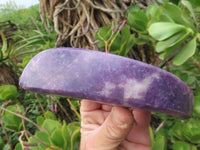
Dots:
(72, 19)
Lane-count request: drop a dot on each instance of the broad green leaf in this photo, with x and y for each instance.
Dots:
(138, 20)
(134, 8)
(180, 145)
(126, 47)
(40, 120)
(66, 137)
(197, 104)
(11, 121)
(188, 5)
(75, 139)
(8, 92)
(169, 51)
(163, 45)
(191, 131)
(163, 30)
(51, 125)
(152, 11)
(160, 143)
(18, 147)
(50, 115)
(103, 34)
(174, 12)
(57, 138)
(185, 53)
(71, 127)
(178, 131)
(41, 136)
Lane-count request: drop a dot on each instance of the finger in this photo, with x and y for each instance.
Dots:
(115, 128)
(88, 105)
(140, 131)
(107, 108)
(142, 117)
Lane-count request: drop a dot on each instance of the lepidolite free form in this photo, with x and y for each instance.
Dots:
(107, 78)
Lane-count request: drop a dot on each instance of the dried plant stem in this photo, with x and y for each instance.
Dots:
(196, 63)
(40, 105)
(63, 109)
(162, 124)
(4, 130)
(74, 109)
(23, 117)
(39, 140)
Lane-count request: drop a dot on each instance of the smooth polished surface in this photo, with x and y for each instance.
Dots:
(107, 78)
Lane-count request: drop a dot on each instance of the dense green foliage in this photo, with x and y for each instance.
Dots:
(168, 29)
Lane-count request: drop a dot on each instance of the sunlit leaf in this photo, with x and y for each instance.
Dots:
(160, 143)
(180, 145)
(191, 131)
(185, 53)
(138, 20)
(163, 30)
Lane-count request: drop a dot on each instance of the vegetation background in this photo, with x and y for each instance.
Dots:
(164, 33)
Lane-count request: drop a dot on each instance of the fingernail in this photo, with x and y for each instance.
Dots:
(118, 120)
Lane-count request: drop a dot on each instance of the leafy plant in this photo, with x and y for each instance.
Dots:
(173, 28)
(56, 136)
(8, 92)
(11, 121)
(116, 38)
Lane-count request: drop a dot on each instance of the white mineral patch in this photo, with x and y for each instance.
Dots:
(137, 89)
(107, 89)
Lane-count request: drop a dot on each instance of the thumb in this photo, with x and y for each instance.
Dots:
(115, 128)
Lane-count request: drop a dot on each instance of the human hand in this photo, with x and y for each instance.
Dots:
(106, 127)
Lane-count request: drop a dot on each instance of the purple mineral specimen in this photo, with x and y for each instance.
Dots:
(107, 78)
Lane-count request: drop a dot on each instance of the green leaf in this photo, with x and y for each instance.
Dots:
(163, 30)
(50, 115)
(75, 139)
(152, 11)
(51, 125)
(40, 120)
(11, 121)
(169, 51)
(185, 53)
(180, 145)
(197, 104)
(18, 147)
(42, 136)
(138, 20)
(188, 5)
(57, 138)
(103, 34)
(160, 143)
(66, 137)
(178, 131)
(134, 8)
(174, 12)
(8, 92)
(163, 45)
(191, 131)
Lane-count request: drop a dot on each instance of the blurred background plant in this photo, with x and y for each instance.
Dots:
(164, 33)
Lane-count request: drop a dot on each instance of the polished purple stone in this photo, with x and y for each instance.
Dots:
(107, 78)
